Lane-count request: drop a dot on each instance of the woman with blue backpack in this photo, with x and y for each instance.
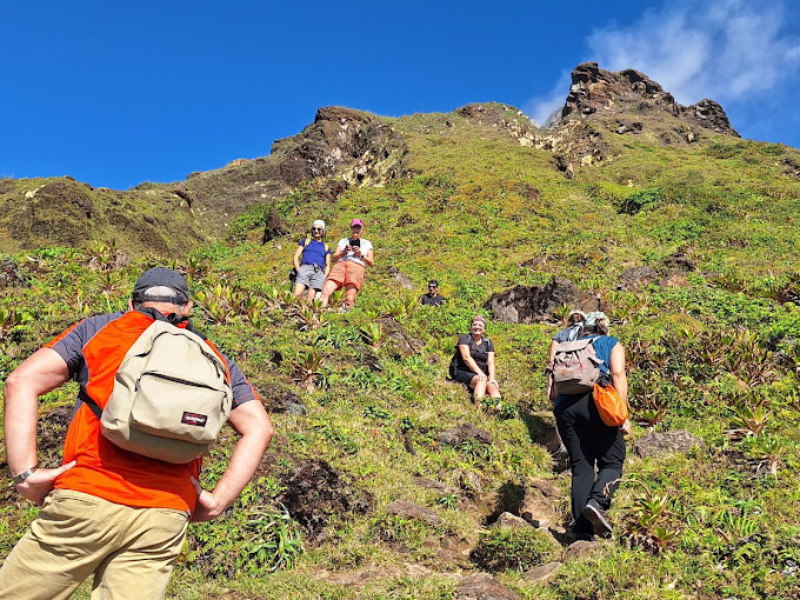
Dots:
(312, 262)
(596, 450)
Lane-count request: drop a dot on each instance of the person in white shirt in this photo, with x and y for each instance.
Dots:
(352, 256)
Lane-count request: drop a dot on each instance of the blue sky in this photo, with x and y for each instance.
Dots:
(115, 95)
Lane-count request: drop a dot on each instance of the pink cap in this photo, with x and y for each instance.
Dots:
(355, 222)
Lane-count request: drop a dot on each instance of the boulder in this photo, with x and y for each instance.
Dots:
(543, 573)
(409, 510)
(580, 549)
(539, 504)
(506, 519)
(464, 433)
(482, 586)
(669, 442)
(533, 304)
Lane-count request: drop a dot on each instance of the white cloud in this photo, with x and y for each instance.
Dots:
(729, 51)
(540, 108)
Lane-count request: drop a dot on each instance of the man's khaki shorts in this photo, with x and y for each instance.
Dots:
(130, 551)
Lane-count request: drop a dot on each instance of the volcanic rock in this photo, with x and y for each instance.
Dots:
(531, 304)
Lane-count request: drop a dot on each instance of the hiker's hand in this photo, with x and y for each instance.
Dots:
(625, 428)
(40, 483)
(207, 508)
(482, 377)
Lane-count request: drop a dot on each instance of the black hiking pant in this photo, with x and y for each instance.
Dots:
(591, 445)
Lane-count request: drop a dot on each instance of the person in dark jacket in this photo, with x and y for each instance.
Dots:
(596, 451)
(433, 297)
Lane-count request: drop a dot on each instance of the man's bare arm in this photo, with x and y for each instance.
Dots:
(251, 421)
(40, 373)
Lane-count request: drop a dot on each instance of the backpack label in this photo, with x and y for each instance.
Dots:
(194, 419)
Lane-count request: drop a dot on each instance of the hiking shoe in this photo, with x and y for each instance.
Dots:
(598, 518)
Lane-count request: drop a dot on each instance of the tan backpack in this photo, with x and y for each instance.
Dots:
(575, 367)
(171, 396)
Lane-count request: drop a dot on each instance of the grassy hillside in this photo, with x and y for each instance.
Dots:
(713, 349)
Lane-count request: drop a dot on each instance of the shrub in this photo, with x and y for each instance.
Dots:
(512, 548)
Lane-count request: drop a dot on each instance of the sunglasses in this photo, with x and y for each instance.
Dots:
(316, 229)
(431, 287)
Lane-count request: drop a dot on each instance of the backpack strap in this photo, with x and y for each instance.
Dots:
(91, 404)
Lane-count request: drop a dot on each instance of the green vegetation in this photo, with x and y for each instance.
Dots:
(713, 347)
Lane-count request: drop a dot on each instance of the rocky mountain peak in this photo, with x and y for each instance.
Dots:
(597, 92)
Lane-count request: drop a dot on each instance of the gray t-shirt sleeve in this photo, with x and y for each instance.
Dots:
(69, 345)
(243, 390)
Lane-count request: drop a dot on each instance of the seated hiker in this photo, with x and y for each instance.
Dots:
(596, 450)
(433, 297)
(312, 260)
(473, 361)
(353, 255)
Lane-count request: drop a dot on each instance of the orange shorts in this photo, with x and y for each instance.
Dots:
(347, 273)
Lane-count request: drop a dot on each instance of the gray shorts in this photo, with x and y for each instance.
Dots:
(311, 276)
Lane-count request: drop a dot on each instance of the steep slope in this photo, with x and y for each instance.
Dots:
(385, 480)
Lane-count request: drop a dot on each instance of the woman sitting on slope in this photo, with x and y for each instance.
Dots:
(473, 361)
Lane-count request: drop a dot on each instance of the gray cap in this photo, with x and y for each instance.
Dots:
(593, 317)
(161, 276)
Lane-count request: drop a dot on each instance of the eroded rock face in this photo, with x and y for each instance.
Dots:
(597, 91)
(482, 586)
(314, 492)
(533, 304)
(668, 442)
(338, 137)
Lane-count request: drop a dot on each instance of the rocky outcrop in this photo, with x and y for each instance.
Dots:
(595, 91)
(533, 304)
(350, 143)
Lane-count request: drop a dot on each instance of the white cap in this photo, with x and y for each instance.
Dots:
(319, 223)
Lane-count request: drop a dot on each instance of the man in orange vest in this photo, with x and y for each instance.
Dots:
(108, 512)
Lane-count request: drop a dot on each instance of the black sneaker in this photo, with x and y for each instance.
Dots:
(598, 518)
